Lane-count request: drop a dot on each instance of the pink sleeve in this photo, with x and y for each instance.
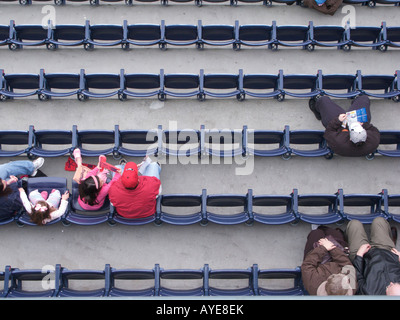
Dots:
(92, 172)
(104, 189)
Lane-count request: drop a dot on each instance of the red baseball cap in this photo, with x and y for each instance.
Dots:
(130, 177)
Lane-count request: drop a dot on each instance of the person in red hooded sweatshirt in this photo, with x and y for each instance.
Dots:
(134, 195)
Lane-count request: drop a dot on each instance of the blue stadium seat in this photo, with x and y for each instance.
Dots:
(66, 35)
(182, 209)
(261, 85)
(99, 282)
(130, 282)
(289, 279)
(33, 283)
(93, 143)
(273, 209)
(181, 85)
(18, 85)
(140, 34)
(220, 85)
(254, 35)
(77, 215)
(14, 143)
(216, 34)
(142, 85)
(389, 143)
(345, 84)
(299, 85)
(42, 184)
(391, 203)
(92, 85)
(116, 218)
(193, 280)
(308, 143)
(363, 207)
(266, 143)
(378, 86)
(327, 36)
(229, 282)
(222, 143)
(392, 37)
(199, 3)
(364, 37)
(27, 35)
(317, 208)
(227, 209)
(5, 34)
(5, 277)
(58, 85)
(180, 142)
(178, 34)
(102, 35)
(291, 36)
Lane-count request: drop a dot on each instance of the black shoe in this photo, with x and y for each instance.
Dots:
(311, 104)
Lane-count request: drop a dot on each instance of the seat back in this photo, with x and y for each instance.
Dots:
(182, 282)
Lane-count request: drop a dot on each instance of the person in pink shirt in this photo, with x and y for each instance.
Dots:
(93, 186)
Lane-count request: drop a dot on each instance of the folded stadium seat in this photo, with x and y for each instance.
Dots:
(181, 85)
(227, 209)
(327, 36)
(363, 207)
(220, 85)
(134, 282)
(142, 85)
(182, 282)
(287, 280)
(27, 35)
(298, 86)
(372, 3)
(230, 282)
(308, 143)
(391, 203)
(255, 35)
(93, 143)
(50, 143)
(5, 278)
(77, 215)
(182, 209)
(179, 143)
(165, 2)
(199, 3)
(287, 2)
(136, 143)
(389, 144)
(178, 35)
(41, 184)
(58, 85)
(116, 218)
(92, 85)
(369, 3)
(14, 143)
(83, 283)
(264, 2)
(222, 143)
(144, 1)
(292, 36)
(102, 35)
(392, 37)
(140, 34)
(379, 86)
(28, 283)
(261, 86)
(273, 209)
(18, 85)
(363, 37)
(66, 35)
(317, 208)
(266, 143)
(338, 85)
(216, 35)
(5, 34)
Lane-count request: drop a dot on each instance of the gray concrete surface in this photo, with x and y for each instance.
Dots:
(192, 246)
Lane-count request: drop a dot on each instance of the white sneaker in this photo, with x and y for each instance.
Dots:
(37, 164)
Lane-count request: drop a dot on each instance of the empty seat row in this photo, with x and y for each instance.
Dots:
(199, 3)
(133, 282)
(199, 86)
(191, 144)
(227, 209)
(250, 35)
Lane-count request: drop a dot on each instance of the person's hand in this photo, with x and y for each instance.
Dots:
(342, 117)
(12, 179)
(327, 244)
(65, 196)
(395, 251)
(363, 249)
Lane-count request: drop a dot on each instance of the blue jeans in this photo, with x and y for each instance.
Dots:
(16, 168)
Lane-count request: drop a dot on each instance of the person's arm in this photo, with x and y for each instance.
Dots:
(61, 209)
(25, 201)
(359, 265)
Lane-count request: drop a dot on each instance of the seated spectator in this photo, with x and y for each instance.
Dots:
(93, 186)
(10, 200)
(326, 268)
(134, 195)
(376, 260)
(43, 209)
(351, 139)
(323, 6)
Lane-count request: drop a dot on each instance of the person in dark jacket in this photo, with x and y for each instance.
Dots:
(376, 261)
(353, 139)
(326, 268)
(326, 7)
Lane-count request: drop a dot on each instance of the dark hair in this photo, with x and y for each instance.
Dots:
(359, 144)
(6, 191)
(88, 191)
(38, 216)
